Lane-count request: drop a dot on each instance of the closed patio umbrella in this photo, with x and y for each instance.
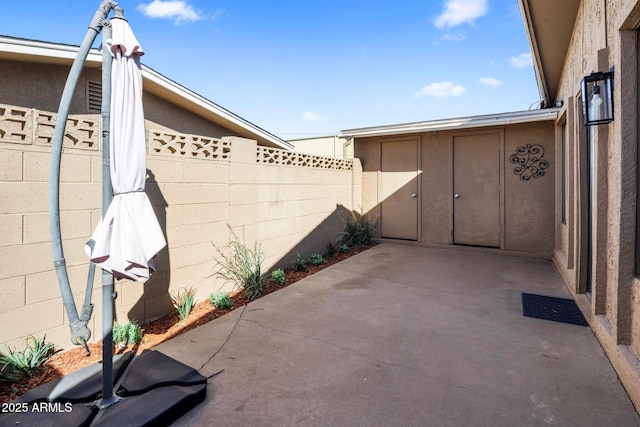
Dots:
(129, 235)
(123, 245)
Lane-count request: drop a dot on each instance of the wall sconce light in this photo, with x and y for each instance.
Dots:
(597, 98)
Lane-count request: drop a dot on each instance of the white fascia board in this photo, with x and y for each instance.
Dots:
(227, 116)
(452, 124)
(45, 51)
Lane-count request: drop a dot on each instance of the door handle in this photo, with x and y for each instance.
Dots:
(414, 195)
(456, 196)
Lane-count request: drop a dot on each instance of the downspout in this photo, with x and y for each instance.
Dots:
(80, 333)
(606, 32)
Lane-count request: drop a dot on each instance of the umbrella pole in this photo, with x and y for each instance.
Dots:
(80, 333)
(108, 295)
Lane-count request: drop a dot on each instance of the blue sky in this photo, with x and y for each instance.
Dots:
(306, 68)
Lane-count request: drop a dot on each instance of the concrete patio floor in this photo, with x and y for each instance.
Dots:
(404, 335)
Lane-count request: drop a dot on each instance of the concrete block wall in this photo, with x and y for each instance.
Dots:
(31, 302)
(200, 188)
(292, 200)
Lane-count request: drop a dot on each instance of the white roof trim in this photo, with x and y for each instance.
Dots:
(533, 44)
(61, 53)
(153, 76)
(458, 123)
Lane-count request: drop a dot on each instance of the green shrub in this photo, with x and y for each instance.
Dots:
(127, 334)
(279, 277)
(241, 266)
(344, 248)
(119, 335)
(25, 363)
(358, 230)
(299, 264)
(331, 249)
(221, 300)
(316, 259)
(183, 301)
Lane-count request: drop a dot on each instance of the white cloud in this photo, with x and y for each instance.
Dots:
(458, 12)
(216, 14)
(312, 117)
(440, 90)
(490, 81)
(177, 10)
(521, 61)
(455, 37)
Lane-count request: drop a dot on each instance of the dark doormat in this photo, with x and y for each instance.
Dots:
(552, 308)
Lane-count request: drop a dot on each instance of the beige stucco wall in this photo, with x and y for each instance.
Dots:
(40, 86)
(528, 225)
(529, 205)
(198, 185)
(327, 146)
(605, 37)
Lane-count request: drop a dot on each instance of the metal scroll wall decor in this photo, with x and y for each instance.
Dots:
(529, 160)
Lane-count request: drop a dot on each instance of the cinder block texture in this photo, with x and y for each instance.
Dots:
(199, 188)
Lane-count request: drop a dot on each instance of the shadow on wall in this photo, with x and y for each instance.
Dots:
(328, 231)
(155, 300)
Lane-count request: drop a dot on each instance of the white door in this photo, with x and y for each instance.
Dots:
(476, 188)
(399, 189)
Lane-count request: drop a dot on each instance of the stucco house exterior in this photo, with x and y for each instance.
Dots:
(327, 146)
(597, 211)
(534, 183)
(480, 181)
(33, 74)
(577, 202)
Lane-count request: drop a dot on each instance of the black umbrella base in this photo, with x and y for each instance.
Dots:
(152, 389)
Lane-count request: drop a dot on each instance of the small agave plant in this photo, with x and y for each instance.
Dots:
(183, 301)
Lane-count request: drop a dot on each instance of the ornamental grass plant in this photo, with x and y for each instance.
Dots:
(15, 364)
(241, 265)
(358, 230)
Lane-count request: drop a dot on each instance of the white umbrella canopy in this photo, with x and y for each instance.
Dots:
(129, 235)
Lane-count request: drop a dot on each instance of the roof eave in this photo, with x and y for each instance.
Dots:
(533, 45)
(160, 85)
(550, 114)
(54, 53)
(549, 25)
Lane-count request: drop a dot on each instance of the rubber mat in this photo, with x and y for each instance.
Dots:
(155, 390)
(552, 308)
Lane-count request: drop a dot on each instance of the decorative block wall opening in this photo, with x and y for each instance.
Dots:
(163, 143)
(276, 156)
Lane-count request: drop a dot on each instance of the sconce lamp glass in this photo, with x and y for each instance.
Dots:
(597, 98)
